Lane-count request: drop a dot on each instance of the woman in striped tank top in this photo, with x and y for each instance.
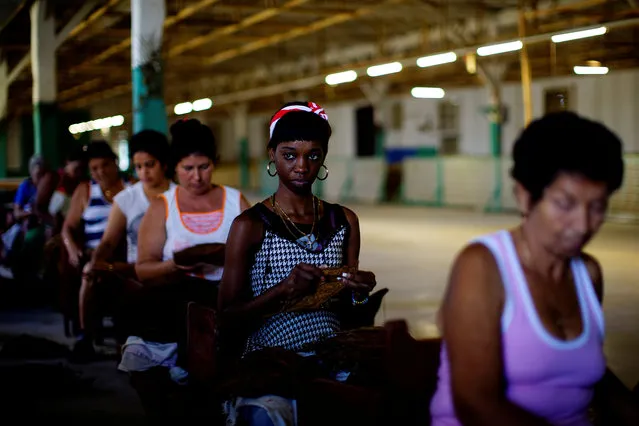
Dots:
(523, 327)
(91, 204)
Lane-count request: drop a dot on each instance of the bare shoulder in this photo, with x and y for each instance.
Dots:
(351, 216)
(82, 190)
(248, 224)
(157, 203)
(475, 272)
(595, 272)
(476, 256)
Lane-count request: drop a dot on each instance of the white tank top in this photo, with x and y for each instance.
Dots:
(133, 203)
(179, 236)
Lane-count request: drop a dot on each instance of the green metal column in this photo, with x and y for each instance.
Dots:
(239, 115)
(45, 132)
(380, 141)
(245, 174)
(147, 24)
(495, 118)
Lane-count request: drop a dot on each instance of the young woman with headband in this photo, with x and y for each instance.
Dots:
(276, 253)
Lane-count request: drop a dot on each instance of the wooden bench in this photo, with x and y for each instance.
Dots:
(409, 378)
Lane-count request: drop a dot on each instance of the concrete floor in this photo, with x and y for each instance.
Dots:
(410, 250)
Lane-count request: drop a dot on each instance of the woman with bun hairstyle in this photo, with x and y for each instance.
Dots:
(180, 259)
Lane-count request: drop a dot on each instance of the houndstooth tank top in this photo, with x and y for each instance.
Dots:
(274, 261)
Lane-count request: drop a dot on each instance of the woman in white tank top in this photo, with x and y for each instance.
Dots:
(149, 154)
(196, 213)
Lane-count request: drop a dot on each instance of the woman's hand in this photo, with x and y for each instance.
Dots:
(88, 268)
(75, 255)
(361, 281)
(302, 280)
(194, 267)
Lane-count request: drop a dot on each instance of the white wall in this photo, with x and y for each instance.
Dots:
(420, 124)
(611, 99)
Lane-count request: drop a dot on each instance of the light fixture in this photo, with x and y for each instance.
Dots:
(98, 124)
(427, 92)
(202, 104)
(495, 49)
(591, 70)
(575, 35)
(183, 108)
(341, 77)
(384, 69)
(432, 60)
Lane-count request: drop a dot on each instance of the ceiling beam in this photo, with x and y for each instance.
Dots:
(294, 33)
(99, 96)
(126, 43)
(234, 28)
(564, 8)
(314, 11)
(92, 18)
(75, 21)
(318, 77)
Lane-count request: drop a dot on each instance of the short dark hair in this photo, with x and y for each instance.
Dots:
(100, 149)
(300, 126)
(191, 137)
(151, 142)
(564, 142)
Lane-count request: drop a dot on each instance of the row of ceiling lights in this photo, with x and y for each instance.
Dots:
(445, 58)
(380, 70)
(99, 124)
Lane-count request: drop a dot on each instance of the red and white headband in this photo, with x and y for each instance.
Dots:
(309, 107)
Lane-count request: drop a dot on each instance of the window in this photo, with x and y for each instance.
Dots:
(556, 100)
(449, 127)
(365, 121)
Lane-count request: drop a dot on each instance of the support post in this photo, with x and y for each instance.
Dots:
(526, 77)
(147, 24)
(4, 99)
(240, 135)
(43, 60)
(492, 75)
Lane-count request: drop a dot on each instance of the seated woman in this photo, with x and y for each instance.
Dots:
(194, 215)
(60, 186)
(523, 327)
(86, 220)
(24, 213)
(91, 204)
(149, 152)
(275, 255)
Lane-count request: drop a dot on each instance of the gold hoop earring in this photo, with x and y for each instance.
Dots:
(325, 176)
(268, 169)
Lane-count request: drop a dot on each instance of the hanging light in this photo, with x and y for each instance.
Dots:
(432, 60)
(384, 69)
(341, 77)
(427, 92)
(496, 49)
